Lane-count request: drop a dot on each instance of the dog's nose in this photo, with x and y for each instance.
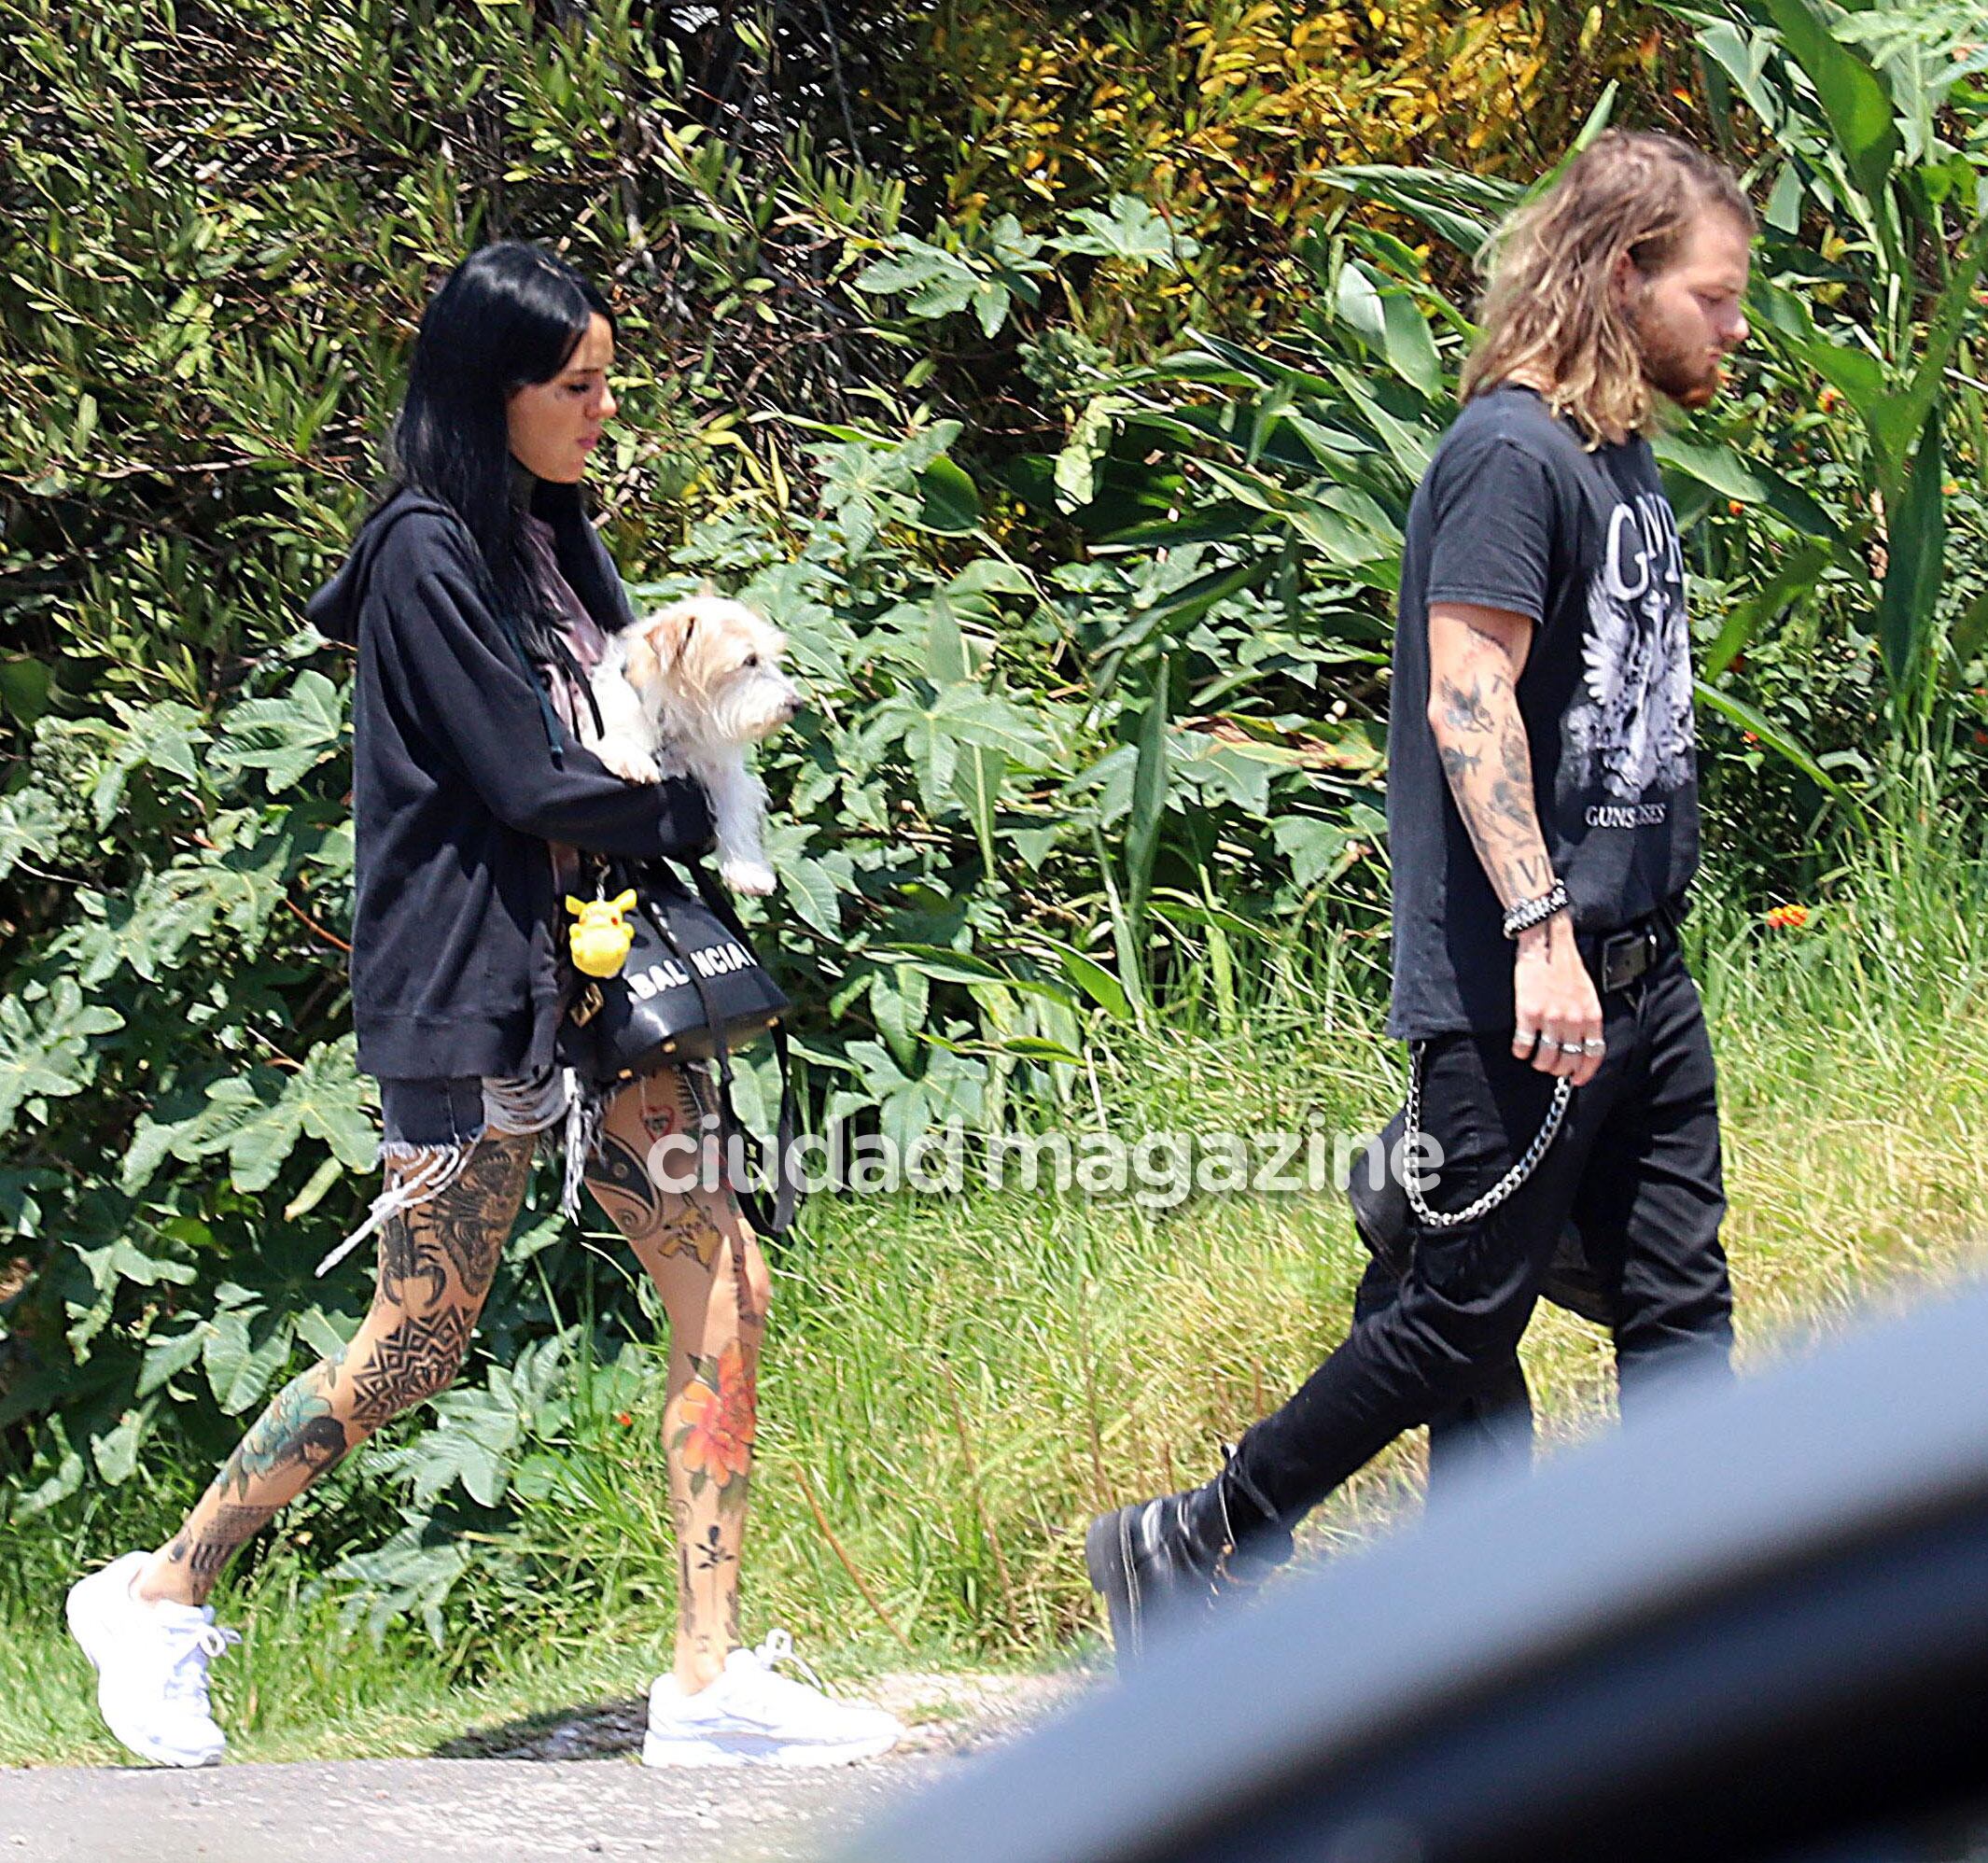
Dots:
(796, 707)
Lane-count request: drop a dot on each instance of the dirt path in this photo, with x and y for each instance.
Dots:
(551, 1790)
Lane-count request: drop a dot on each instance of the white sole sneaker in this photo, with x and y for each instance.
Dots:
(93, 1609)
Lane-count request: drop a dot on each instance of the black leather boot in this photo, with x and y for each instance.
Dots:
(1162, 1564)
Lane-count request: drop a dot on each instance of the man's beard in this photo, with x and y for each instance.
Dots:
(1686, 375)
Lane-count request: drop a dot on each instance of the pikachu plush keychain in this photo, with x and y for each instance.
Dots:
(602, 935)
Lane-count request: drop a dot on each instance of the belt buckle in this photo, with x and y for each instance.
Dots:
(1625, 957)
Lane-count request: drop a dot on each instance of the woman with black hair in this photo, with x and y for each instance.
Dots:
(477, 597)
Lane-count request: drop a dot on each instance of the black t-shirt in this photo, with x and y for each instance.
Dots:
(1512, 513)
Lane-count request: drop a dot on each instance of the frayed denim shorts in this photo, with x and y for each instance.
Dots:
(430, 1129)
(418, 1114)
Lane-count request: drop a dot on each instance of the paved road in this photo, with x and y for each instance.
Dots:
(465, 1811)
(527, 1793)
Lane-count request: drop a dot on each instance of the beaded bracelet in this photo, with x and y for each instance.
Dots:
(1530, 912)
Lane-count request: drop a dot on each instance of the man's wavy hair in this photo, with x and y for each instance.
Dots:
(1548, 306)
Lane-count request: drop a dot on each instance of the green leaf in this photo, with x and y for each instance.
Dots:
(1971, 630)
(1899, 420)
(31, 824)
(1075, 477)
(1132, 232)
(168, 737)
(1795, 577)
(168, 1355)
(115, 1453)
(1917, 562)
(1459, 207)
(327, 1098)
(46, 1052)
(1732, 475)
(24, 687)
(810, 888)
(285, 737)
(948, 502)
(1853, 96)
(1150, 786)
(245, 1349)
(1783, 743)
(1093, 979)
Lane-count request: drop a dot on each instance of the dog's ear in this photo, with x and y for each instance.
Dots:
(640, 665)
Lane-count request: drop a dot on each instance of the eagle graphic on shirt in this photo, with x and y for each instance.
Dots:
(1629, 732)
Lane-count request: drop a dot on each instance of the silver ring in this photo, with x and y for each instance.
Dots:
(1527, 1037)
(1597, 1046)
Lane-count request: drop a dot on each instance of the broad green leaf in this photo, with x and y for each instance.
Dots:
(168, 1355)
(1075, 478)
(1795, 578)
(810, 888)
(285, 737)
(1853, 96)
(1132, 232)
(1900, 419)
(168, 737)
(1459, 207)
(1971, 630)
(25, 685)
(1734, 476)
(1093, 979)
(328, 1098)
(31, 824)
(1783, 743)
(948, 500)
(45, 1048)
(116, 1452)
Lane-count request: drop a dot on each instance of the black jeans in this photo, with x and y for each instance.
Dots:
(1636, 1167)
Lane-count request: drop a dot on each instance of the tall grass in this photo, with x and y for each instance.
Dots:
(954, 1384)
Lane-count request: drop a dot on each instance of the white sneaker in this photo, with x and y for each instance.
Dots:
(151, 1663)
(749, 1716)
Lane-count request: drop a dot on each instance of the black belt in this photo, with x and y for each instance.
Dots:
(1621, 957)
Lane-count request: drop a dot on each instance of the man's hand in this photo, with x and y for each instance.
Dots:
(1557, 1003)
(1476, 656)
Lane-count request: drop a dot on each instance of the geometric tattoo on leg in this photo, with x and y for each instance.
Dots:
(413, 1362)
(205, 1549)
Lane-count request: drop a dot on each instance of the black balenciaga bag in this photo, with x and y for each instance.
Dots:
(689, 989)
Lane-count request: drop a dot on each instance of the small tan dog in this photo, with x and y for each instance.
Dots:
(683, 692)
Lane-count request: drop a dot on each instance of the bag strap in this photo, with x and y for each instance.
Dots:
(772, 1222)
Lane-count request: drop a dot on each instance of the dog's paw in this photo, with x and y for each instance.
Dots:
(751, 879)
(628, 761)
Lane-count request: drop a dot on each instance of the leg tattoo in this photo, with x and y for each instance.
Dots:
(413, 1362)
(297, 1431)
(436, 1262)
(712, 1280)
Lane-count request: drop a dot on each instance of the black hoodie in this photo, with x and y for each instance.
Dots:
(460, 776)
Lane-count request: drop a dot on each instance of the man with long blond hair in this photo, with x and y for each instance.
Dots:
(1543, 816)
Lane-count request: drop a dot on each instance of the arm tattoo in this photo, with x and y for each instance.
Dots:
(1477, 712)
